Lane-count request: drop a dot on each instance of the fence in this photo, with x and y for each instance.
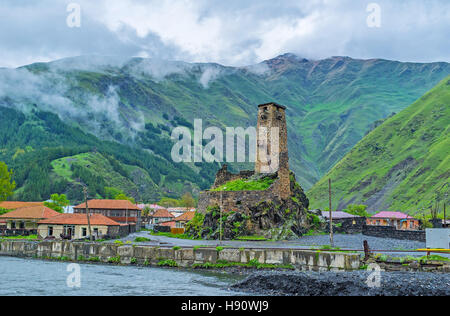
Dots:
(17, 232)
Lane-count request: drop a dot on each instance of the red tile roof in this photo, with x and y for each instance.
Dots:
(162, 213)
(396, 215)
(31, 212)
(80, 219)
(186, 217)
(109, 205)
(12, 205)
(171, 224)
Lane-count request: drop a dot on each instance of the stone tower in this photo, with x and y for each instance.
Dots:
(272, 149)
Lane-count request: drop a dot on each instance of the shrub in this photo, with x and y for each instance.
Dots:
(141, 239)
(168, 263)
(114, 260)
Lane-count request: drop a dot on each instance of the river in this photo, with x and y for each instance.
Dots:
(36, 277)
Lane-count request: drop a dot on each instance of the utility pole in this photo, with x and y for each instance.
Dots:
(87, 212)
(220, 229)
(445, 215)
(331, 214)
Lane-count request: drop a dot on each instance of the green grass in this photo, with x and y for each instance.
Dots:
(313, 232)
(115, 260)
(141, 239)
(201, 246)
(30, 237)
(246, 185)
(168, 263)
(252, 238)
(170, 235)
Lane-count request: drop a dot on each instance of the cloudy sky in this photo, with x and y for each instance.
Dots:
(232, 32)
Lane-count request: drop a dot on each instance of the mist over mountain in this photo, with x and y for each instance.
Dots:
(134, 103)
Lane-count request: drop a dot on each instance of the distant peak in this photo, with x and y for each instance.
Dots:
(290, 57)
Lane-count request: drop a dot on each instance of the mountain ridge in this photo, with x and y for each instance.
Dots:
(331, 102)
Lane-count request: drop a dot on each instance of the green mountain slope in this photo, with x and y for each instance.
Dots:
(400, 165)
(49, 156)
(131, 106)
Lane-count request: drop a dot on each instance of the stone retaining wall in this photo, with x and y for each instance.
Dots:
(185, 257)
(392, 232)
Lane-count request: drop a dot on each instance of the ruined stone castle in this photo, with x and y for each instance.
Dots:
(283, 205)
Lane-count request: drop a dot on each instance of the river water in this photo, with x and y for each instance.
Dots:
(36, 277)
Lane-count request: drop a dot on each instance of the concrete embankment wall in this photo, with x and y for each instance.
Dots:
(185, 257)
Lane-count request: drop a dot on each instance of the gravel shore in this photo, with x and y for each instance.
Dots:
(345, 284)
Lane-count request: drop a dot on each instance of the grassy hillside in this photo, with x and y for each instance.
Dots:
(403, 164)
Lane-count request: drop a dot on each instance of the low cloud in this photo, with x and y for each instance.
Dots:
(51, 90)
(236, 33)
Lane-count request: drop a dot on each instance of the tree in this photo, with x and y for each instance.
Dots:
(58, 202)
(146, 211)
(187, 200)
(111, 193)
(122, 196)
(169, 202)
(359, 210)
(7, 185)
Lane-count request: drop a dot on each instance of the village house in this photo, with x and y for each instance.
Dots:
(178, 223)
(339, 216)
(161, 216)
(399, 220)
(75, 226)
(24, 220)
(120, 211)
(348, 223)
(181, 220)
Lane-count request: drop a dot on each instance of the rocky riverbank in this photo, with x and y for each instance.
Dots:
(345, 284)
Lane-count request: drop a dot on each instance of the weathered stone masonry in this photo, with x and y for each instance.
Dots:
(279, 212)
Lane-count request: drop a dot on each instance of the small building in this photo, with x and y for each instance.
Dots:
(399, 220)
(178, 211)
(181, 220)
(348, 223)
(120, 211)
(24, 220)
(75, 226)
(338, 215)
(161, 216)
